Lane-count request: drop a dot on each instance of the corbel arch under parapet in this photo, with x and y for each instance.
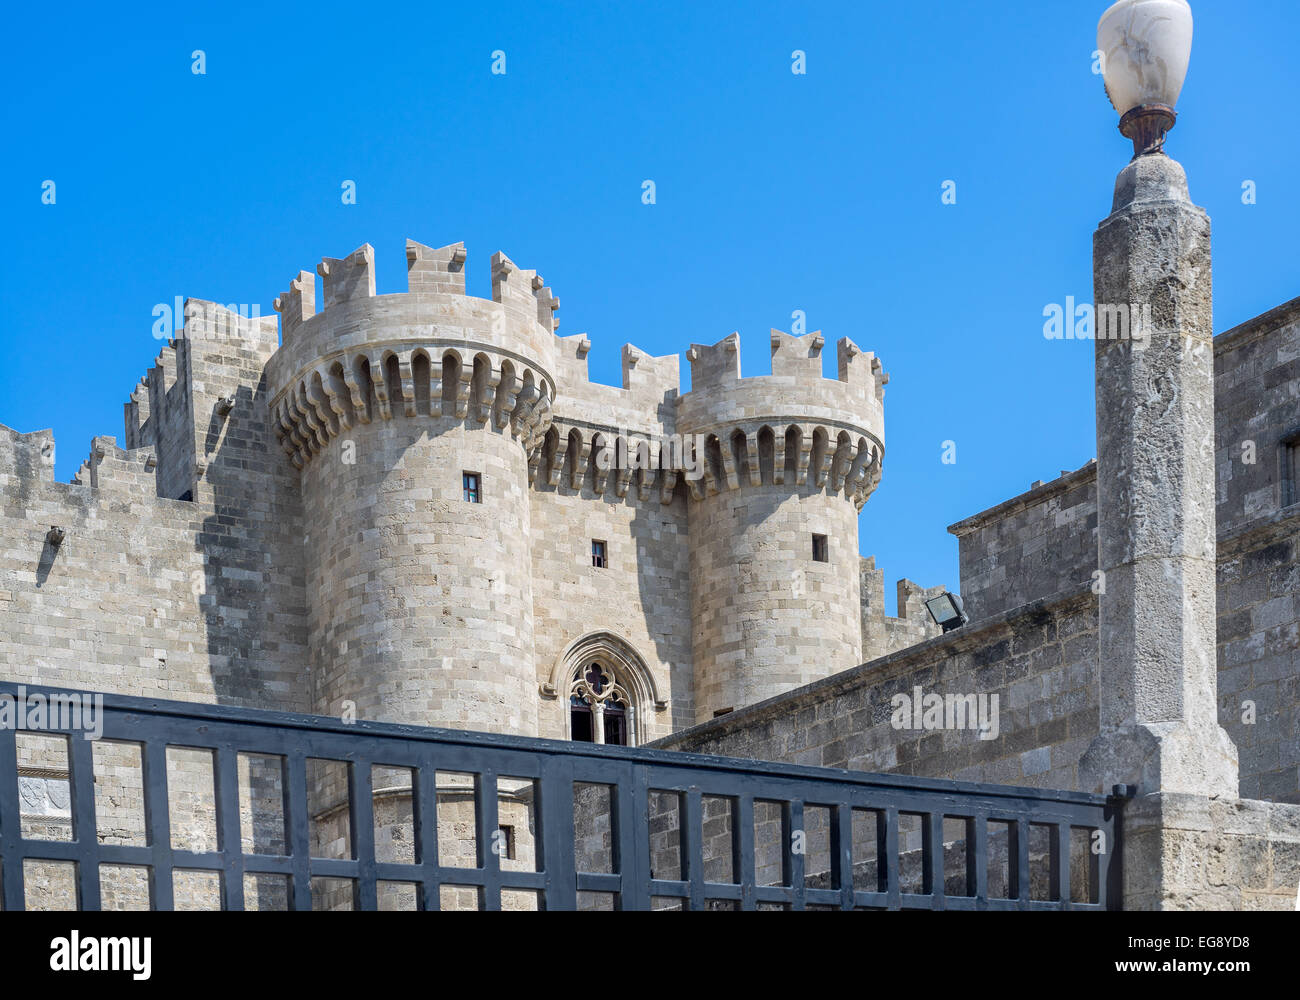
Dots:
(507, 393)
(365, 386)
(421, 380)
(628, 665)
(343, 393)
(393, 391)
(452, 364)
(766, 456)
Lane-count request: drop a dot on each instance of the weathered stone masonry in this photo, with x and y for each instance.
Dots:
(286, 526)
(1039, 655)
(324, 553)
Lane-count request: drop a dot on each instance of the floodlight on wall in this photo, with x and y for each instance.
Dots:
(946, 610)
(55, 536)
(1145, 47)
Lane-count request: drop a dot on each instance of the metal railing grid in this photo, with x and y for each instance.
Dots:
(632, 774)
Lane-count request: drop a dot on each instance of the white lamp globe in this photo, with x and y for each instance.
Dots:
(1146, 45)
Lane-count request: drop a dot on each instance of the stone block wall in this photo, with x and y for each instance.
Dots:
(1222, 854)
(1259, 655)
(170, 426)
(129, 602)
(768, 616)
(1257, 411)
(1040, 662)
(883, 634)
(1041, 542)
(1047, 537)
(419, 611)
(1257, 407)
(637, 596)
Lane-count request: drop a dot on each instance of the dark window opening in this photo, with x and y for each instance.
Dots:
(598, 555)
(581, 725)
(187, 496)
(616, 725)
(508, 842)
(471, 485)
(580, 721)
(821, 549)
(1290, 466)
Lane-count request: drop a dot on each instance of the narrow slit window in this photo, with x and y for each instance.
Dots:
(1290, 466)
(598, 557)
(472, 486)
(820, 549)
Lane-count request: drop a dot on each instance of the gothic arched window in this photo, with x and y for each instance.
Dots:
(600, 710)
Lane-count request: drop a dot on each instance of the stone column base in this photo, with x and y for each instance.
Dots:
(1170, 756)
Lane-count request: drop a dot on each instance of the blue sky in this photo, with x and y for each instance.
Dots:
(776, 192)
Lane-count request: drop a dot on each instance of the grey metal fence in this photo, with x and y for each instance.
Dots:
(605, 827)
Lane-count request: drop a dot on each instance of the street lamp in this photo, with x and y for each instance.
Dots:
(1145, 47)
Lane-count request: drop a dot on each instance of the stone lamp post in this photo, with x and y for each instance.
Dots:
(1159, 730)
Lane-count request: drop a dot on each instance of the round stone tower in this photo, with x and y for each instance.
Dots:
(411, 418)
(785, 463)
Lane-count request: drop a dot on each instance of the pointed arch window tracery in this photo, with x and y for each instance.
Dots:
(600, 708)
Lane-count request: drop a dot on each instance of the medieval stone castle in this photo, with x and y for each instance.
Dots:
(417, 508)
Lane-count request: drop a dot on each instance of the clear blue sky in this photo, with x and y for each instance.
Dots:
(775, 192)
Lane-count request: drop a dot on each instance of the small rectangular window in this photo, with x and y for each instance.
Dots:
(470, 481)
(598, 555)
(507, 843)
(821, 549)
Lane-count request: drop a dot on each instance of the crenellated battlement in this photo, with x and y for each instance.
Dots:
(518, 322)
(25, 458)
(793, 427)
(523, 293)
(435, 272)
(430, 352)
(435, 353)
(135, 415)
(797, 356)
(647, 400)
(795, 359)
(519, 319)
(108, 467)
(298, 304)
(352, 277)
(28, 459)
(214, 323)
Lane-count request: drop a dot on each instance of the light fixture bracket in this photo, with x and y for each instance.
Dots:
(950, 613)
(1147, 125)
